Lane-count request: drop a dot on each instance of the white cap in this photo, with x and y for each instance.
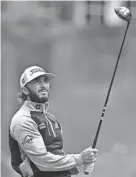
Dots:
(33, 72)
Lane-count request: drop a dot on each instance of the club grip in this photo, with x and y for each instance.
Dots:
(88, 168)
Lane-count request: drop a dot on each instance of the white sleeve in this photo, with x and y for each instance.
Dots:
(30, 140)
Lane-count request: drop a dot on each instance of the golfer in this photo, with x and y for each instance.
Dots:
(35, 136)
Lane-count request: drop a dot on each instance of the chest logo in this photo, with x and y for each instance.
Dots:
(42, 126)
(37, 106)
(56, 126)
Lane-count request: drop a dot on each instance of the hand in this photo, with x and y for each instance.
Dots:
(89, 168)
(25, 168)
(89, 155)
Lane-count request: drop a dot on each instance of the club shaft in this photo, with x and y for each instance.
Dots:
(109, 90)
(108, 94)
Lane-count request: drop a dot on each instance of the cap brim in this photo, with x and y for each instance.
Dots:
(50, 76)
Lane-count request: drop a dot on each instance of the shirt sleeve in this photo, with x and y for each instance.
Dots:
(31, 142)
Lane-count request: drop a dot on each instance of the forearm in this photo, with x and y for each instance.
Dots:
(50, 162)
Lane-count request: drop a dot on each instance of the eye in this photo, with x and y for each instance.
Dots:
(46, 79)
(35, 80)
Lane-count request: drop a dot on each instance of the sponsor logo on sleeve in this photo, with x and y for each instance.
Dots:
(27, 140)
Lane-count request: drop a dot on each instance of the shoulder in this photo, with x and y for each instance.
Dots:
(51, 116)
(20, 116)
(21, 119)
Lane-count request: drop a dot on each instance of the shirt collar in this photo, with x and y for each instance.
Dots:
(40, 107)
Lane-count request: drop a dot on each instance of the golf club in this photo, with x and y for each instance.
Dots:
(125, 14)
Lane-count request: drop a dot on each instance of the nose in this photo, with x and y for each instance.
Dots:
(44, 85)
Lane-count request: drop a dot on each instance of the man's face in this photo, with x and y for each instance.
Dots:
(39, 89)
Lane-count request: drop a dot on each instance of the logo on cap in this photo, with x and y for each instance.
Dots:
(36, 70)
(23, 80)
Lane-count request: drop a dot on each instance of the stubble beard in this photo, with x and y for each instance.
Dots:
(35, 98)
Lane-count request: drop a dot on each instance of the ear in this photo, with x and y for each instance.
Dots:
(25, 90)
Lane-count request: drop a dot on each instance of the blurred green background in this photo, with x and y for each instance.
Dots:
(52, 36)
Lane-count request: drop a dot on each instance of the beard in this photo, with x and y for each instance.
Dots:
(36, 98)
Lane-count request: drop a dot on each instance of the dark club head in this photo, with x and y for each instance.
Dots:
(124, 13)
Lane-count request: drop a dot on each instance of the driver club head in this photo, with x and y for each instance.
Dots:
(123, 13)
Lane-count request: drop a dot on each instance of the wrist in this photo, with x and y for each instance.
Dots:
(78, 159)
